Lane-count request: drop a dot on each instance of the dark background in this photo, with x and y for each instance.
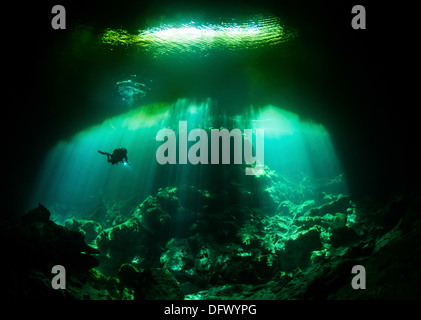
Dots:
(362, 94)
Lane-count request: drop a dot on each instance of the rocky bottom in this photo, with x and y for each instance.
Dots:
(271, 239)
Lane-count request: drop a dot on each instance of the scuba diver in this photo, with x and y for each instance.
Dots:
(119, 155)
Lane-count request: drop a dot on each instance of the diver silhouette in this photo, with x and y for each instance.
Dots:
(118, 155)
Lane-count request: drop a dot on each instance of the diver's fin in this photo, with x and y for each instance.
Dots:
(101, 152)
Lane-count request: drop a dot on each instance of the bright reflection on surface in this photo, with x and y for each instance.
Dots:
(204, 33)
(195, 37)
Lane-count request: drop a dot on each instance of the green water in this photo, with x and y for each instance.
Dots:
(75, 174)
(187, 77)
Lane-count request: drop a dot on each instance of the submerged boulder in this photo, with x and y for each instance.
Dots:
(121, 244)
(150, 284)
(298, 249)
(88, 228)
(341, 205)
(179, 258)
(344, 237)
(157, 284)
(33, 246)
(51, 244)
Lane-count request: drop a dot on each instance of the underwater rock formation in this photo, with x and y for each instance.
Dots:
(88, 228)
(195, 243)
(298, 249)
(150, 284)
(33, 246)
(208, 237)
